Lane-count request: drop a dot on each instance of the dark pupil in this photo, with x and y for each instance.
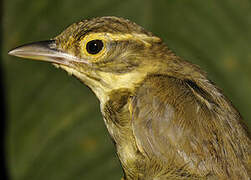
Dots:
(94, 46)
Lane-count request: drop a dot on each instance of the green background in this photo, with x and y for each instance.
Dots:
(54, 126)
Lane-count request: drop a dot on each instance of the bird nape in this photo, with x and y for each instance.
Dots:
(168, 121)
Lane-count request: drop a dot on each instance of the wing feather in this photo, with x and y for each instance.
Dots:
(176, 121)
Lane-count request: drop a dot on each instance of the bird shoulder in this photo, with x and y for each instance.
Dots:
(176, 120)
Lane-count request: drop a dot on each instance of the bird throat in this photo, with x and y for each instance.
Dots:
(115, 104)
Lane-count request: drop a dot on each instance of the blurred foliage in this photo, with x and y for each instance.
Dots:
(54, 126)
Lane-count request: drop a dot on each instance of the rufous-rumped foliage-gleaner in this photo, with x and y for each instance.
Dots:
(167, 120)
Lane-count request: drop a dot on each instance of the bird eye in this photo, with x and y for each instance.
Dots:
(94, 46)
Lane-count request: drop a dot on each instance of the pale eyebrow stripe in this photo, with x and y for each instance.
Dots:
(145, 39)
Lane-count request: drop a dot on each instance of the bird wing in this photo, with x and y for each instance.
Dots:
(174, 123)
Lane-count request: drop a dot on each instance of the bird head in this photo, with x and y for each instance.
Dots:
(105, 53)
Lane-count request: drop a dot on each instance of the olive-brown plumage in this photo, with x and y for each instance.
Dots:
(167, 120)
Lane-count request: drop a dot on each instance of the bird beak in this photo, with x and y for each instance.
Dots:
(45, 51)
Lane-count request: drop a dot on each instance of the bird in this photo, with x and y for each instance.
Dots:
(166, 118)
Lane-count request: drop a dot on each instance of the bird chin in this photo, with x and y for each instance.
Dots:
(72, 72)
(68, 69)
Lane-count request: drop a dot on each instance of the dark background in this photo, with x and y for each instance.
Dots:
(53, 127)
